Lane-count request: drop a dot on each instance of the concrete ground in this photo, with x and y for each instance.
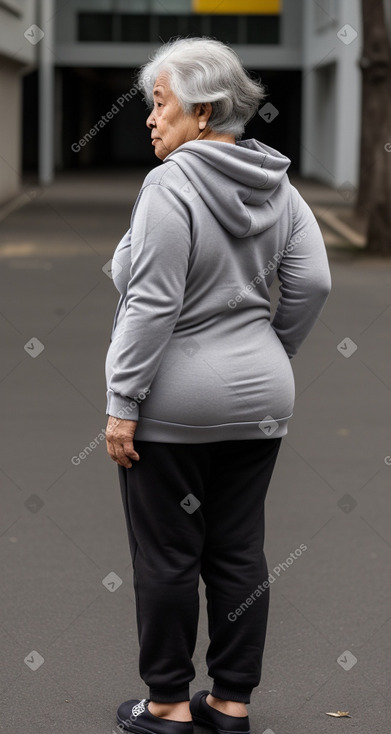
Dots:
(68, 629)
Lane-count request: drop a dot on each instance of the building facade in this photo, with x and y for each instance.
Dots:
(89, 113)
(332, 43)
(18, 56)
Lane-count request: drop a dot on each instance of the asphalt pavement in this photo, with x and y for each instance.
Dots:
(68, 625)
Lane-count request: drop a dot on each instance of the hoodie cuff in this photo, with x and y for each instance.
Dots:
(121, 407)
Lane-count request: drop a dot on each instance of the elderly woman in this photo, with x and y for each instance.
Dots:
(200, 386)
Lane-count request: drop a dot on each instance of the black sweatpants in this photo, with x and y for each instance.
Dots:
(196, 509)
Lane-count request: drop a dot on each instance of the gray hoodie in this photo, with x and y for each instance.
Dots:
(194, 356)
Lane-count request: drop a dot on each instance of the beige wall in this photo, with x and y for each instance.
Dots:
(13, 24)
(16, 55)
(10, 94)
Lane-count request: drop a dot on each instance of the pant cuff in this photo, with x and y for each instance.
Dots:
(161, 695)
(229, 694)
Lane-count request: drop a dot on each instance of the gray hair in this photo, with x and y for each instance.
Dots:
(205, 70)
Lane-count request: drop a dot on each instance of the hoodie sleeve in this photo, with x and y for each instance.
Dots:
(305, 279)
(160, 249)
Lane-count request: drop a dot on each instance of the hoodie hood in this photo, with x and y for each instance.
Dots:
(244, 185)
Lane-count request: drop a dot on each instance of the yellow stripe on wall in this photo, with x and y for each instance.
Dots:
(237, 7)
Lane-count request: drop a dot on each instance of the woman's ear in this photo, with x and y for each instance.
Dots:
(204, 113)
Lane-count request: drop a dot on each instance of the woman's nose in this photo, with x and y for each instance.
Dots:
(150, 122)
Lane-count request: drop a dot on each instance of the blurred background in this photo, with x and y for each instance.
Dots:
(74, 151)
(91, 49)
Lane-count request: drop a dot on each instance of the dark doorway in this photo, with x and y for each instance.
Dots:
(89, 94)
(30, 122)
(283, 132)
(104, 100)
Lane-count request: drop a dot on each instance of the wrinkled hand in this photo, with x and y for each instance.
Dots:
(119, 440)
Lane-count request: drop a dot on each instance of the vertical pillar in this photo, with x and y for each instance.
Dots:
(348, 99)
(46, 93)
(308, 142)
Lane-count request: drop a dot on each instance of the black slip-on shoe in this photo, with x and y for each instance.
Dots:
(205, 715)
(134, 716)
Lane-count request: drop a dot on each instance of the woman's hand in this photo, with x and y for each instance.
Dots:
(119, 440)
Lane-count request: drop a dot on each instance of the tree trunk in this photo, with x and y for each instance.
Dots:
(374, 194)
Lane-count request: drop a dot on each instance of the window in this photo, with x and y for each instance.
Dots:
(263, 28)
(225, 27)
(142, 28)
(95, 26)
(135, 28)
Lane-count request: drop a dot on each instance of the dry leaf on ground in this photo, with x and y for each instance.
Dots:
(339, 714)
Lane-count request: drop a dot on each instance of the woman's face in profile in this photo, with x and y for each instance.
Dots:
(170, 126)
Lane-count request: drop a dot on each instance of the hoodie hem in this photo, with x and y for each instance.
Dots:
(149, 429)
